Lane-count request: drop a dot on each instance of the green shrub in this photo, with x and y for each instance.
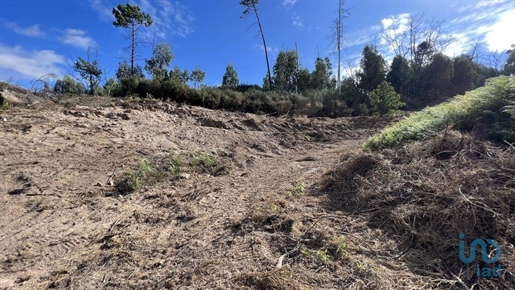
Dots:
(112, 88)
(148, 87)
(242, 88)
(246, 98)
(169, 89)
(299, 103)
(334, 106)
(211, 97)
(129, 84)
(69, 86)
(134, 180)
(384, 99)
(231, 100)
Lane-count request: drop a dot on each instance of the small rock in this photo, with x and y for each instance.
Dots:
(9, 97)
(82, 125)
(184, 175)
(99, 184)
(124, 116)
(4, 119)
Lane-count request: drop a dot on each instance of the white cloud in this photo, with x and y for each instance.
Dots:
(492, 21)
(500, 35)
(480, 5)
(289, 3)
(296, 21)
(482, 15)
(361, 36)
(32, 31)
(103, 9)
(462, 43)
(489, 21)
(269, 49)
(169, 17)
(25, 64)
(77, 38)
(393, 26)
(399, 23)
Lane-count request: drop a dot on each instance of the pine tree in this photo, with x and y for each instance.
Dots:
(131, 18)
(89, 72)
(373, 71)
(319, 80)
(435, 79)
(251, 7)
(303, 80)
(463, 75)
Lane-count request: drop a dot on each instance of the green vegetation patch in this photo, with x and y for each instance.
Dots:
(172, 166)
(297, 191)
(5, 106)
(489, 108)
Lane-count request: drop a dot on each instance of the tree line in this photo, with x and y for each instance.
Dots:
(419, 75)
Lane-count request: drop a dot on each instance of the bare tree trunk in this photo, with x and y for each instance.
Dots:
(411, 40)
(133, 48)
(297, 70)
(339, 35)
(265, 47)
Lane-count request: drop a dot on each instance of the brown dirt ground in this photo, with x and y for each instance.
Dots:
(263, 223)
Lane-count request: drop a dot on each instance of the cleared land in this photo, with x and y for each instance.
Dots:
(101, 193)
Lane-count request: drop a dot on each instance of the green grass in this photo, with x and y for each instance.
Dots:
(145, 168)
(175, 164)
(134, 180)
(297, 191)
(205, 162)
(221, 169)
(338, 248)
(169, 167)
(5, 106)
(495, 98)
(203, 159)
(323, 255)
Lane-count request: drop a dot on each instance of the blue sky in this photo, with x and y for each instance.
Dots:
(38, 37)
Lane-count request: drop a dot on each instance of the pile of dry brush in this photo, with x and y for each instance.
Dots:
(424, 194)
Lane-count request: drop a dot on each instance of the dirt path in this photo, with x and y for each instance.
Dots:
(63, 224)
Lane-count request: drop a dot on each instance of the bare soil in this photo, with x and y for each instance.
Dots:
(258, 218)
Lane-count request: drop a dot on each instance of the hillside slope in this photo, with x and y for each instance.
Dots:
(210, 200)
